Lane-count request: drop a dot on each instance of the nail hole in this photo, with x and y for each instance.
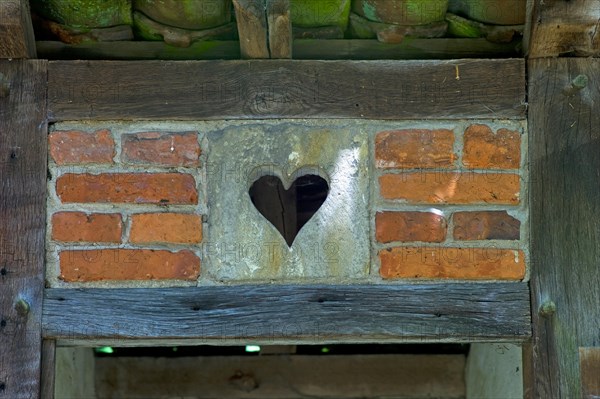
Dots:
(3, 271)
(3, 323)
(196, 308)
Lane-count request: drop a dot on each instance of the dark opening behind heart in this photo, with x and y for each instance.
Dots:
(289, 210)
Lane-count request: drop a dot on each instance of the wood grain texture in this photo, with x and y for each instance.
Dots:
(564, 28)
(290, 377)
(23, 215)
(252, 28)
(48, 369)
(291, 314)
(280, 28)
(589, 363)
(413, 49)
(197, 90)
(564, 139)
(16, 31)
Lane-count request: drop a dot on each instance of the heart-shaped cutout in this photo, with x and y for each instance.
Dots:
(289, 210)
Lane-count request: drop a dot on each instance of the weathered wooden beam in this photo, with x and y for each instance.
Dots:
(291, 377)
(22, 230)
(16, 31)
(280, 28)
(197, 90)
(282, 314)
(563, 28)
(564, 152)
(252, 28)
(356, 49)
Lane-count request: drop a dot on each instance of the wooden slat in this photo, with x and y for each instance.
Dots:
(252, 28)
(560, 27)
(280, 28)
(409, 49)
(16, 31)
(589, 363)
(290, 377)
(564, 137)
(48, 368)
(125, 50)
(291, 314)
(23, 218)
(78, 90)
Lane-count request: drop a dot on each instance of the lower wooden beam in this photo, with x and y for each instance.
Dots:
(281, 314)
(291, 377)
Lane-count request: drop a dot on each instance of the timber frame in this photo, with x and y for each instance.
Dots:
(561, 322)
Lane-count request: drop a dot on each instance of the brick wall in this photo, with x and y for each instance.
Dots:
(134, 205)
(450, 203)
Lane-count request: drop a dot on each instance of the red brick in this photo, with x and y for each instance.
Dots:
(485, 149)
(138, 188)
(166, 227)
(490, 225)
(452, 263)
(76, 147)
(451, 188)
(410, 226)
(128, 264)
(165, 149)
(80, 227)
(414, 148)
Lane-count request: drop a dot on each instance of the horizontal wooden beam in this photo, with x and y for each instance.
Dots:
(198, 90)
(279, 314)
(302, 49)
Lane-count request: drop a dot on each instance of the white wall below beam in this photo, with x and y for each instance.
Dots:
(494, 371)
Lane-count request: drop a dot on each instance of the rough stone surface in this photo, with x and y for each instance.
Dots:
(167, 149)
(165, 228)
(477, 263)
(410, 226)
(415, 148)
(82, 227)
(486, 225)
(138, 188)
(243, 245)
(128, 264)
(451, 188)
(79, 147)
(485, 149)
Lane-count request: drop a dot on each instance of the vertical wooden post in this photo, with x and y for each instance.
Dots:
(280, 28)
(564, 131)
(252, 27)
(22, 215)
